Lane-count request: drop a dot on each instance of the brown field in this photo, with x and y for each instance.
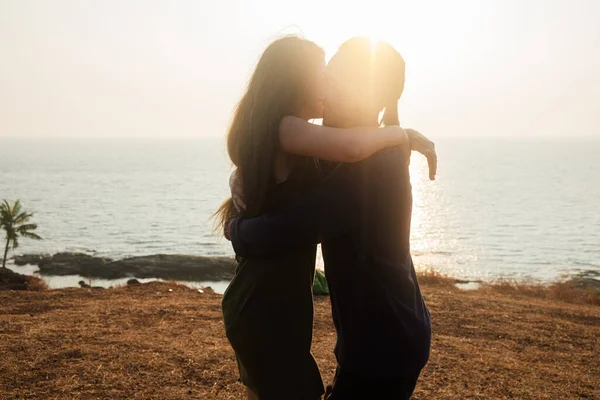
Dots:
(145, 342)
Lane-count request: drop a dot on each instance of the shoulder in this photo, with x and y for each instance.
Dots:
(384, 163)
(389, 154)
(383, 167)
(391, 157)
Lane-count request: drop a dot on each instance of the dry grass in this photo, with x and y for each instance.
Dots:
(434, 278)
(575, 291)
(36, 284)
(563, 291)
(567, 291)
(146, 342)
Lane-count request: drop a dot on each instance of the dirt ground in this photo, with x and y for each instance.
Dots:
(147, 342)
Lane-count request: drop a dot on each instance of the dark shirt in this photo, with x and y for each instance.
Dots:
(361, 214)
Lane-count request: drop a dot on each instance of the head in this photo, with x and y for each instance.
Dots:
(364, 78)
(288, 80)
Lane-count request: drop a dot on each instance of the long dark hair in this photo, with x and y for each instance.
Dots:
(382, 67)
(276, 89)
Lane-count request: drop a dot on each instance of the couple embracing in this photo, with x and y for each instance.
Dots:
(345, 185)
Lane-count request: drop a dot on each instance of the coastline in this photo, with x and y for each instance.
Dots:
(163, 340)
(66, 269)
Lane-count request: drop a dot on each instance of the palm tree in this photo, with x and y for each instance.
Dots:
(16, 224)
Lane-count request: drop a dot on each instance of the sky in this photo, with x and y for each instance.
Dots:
(169, 69)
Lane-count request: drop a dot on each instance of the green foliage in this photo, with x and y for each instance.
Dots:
(16, 223)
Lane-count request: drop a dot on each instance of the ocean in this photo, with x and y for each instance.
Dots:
(500, 208)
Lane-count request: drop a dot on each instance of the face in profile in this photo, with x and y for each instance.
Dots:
(337, 105)
(348, 94)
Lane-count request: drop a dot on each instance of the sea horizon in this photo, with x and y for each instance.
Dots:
(495, 211)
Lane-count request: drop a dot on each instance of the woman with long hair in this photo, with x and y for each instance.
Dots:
(267, 308)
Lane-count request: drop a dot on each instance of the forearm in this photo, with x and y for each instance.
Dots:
(335, 144)
(328, 211)
(366, 141)
(272, 233)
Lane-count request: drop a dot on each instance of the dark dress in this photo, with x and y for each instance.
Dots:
(268, 309)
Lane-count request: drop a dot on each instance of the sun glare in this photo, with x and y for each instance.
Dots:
(374, 40)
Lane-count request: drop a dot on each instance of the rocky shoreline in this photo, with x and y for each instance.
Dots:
(161, 266)
(188, 268)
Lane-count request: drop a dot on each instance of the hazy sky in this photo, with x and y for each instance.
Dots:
(176, 68)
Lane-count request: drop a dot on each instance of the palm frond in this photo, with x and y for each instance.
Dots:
(16, 208)
(10, 231)
(5, 215)
(30, 235)
(22, 218)
(25, 228)
(15, 222)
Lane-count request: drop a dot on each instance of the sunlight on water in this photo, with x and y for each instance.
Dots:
(418, 240)
(497, 208)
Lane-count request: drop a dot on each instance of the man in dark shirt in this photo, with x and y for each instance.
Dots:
(361, 214)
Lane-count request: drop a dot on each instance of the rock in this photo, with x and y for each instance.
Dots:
(83, 284)
(207, 289)
(163, 266)
(77, 264)
(180, 267)
(33, 259)
(10, 280)
(133, 282)
(585, 283)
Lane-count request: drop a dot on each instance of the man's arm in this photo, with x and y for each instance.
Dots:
(328, 210)
(335, 207)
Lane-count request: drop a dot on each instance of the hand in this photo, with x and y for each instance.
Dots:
(237, 192)
(426, 147)
(227, 229)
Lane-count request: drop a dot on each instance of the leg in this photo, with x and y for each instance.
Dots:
(400, 388)
(351, 387)
(409, 384)
(343, 387)
(250, 394)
